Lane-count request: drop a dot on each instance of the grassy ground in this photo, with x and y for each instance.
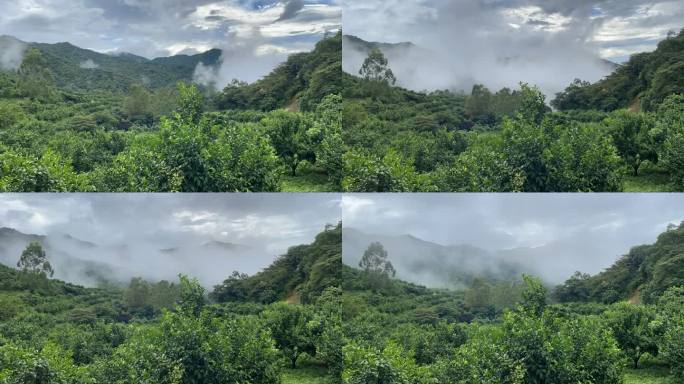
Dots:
(308, 179)
(306, 374)
(650, 179)
(650, 372)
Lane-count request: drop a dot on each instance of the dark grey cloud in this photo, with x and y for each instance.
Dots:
(132, 230)
(561, 233)
(291, 9)
(548, 43)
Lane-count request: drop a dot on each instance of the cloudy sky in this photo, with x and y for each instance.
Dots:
(153, 28)
(263, 225)
(547, 42)
(616, 28)
(597, 227)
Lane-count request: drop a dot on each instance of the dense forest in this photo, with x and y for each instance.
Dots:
(281, 325)
(623, 133)
(518, 331)
(76, 120)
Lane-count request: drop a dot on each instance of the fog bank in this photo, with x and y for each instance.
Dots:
(445, 239)
(110, 237)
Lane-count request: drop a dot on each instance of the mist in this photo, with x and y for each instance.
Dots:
(89, 64)
(90, 239)
(11, 53)
(456, 44)
(446, 240)
(245, 59)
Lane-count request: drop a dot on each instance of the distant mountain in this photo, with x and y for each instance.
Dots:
(76, 68)
(643, 82)
(353, 42)
(422, 262)
(62, 251)
(222, 245)
(356, 50)
(89, 264)
(453, 266)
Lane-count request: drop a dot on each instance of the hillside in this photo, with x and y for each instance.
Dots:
(643, 274)
(75, 68)
(300, 274)
(641, 83)
(301, 81)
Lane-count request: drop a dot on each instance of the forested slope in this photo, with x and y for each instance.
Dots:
(301, 274)
(76, 68)
(643, 82)
(643, 274)
(299, 83)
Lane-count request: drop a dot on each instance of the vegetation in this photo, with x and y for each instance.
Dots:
(644, 82)
(641, 275)
(59, 132)
(56, 332)
(402, 333)
(510, 140)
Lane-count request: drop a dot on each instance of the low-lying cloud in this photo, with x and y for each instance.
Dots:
(11, 53)
(91, 238)
(499, 44)
(245, 59)
(435, 239)
(89, 64)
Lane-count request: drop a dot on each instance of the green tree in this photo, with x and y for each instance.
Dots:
(574, 289)
(137, 106)
(631, 326)
(327, 136)
(533, 296)
(192, 297)
(631, 136)
(478, 105)
(329, 338)
(670, 324)
(34, 260)
(376, 69)
(391, 365)
(479, 294)
(190, 104)
(670, 132)
(35, 79)
(375, 261)
(533, 106)
(288, 134)
(290, 330)
(364, 172)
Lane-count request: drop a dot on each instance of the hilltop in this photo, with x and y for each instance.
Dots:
(76, 68)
